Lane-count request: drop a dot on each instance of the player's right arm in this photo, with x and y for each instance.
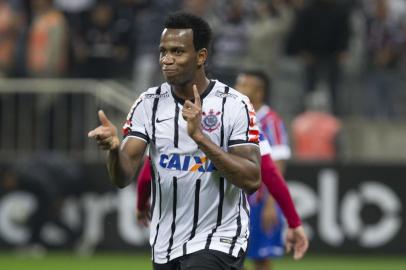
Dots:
(123, 159)
(144, 193)
(123, 164)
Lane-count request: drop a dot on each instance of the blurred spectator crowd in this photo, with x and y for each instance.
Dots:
(334, 42)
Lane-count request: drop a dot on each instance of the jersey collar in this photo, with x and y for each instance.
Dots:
(202, 96)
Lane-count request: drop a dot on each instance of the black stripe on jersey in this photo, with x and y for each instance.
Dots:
(138, 134)
(153, 192)
(238, 232)
(130, 117)
(248, 119)
(235, 142)
(154, 108)
(160, 211)
(207, 91)
(245, 207)
(153, 245)
(176, 131)
(226, 90)
(244, 204)
(173, 227)
(219, 213)
(135, 107)
(195, 214)
(196, 210)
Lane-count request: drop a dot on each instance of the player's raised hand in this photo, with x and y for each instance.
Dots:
(105, 134)
(197, 102)
(192, 113)
(296, 240)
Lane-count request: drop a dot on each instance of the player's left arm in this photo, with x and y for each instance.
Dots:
(296, 238)
(240, 166)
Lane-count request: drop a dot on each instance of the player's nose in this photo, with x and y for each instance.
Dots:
(167, 60)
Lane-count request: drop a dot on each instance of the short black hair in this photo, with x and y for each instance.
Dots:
(262, 76)
(201, 30)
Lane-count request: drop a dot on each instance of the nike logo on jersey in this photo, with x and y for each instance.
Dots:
(162, 120)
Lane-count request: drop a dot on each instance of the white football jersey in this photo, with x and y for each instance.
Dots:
(193, 206)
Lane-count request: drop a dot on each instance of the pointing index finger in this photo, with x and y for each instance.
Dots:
(197, 96)
(103, 119)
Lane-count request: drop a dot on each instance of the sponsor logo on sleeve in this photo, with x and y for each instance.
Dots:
(163, 95)
(224, 95)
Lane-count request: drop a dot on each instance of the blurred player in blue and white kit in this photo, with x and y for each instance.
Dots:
(266, 220)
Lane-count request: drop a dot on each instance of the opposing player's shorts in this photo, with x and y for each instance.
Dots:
(262, 244)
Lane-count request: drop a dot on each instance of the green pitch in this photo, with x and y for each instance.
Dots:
(117, 261)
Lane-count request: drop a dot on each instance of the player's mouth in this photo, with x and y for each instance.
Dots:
(169, 72)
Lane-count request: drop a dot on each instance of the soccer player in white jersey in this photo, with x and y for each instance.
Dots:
(296, 239)
(204, 149)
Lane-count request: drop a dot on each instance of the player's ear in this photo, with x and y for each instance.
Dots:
(202, 57)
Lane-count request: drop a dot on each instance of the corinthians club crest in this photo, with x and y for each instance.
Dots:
(210, 120)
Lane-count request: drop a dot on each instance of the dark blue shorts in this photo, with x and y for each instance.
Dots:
(263, 244)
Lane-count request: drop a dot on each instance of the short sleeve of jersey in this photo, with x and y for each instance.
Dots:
(245, 129)
(264, 146)
(136, 123)
(275, 132)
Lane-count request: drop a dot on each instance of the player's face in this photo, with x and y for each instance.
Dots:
(177, 56)
(249, 86)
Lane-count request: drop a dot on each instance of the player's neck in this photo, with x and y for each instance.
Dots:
(186, 91)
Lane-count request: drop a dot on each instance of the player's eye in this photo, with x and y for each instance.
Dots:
(178, 51)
